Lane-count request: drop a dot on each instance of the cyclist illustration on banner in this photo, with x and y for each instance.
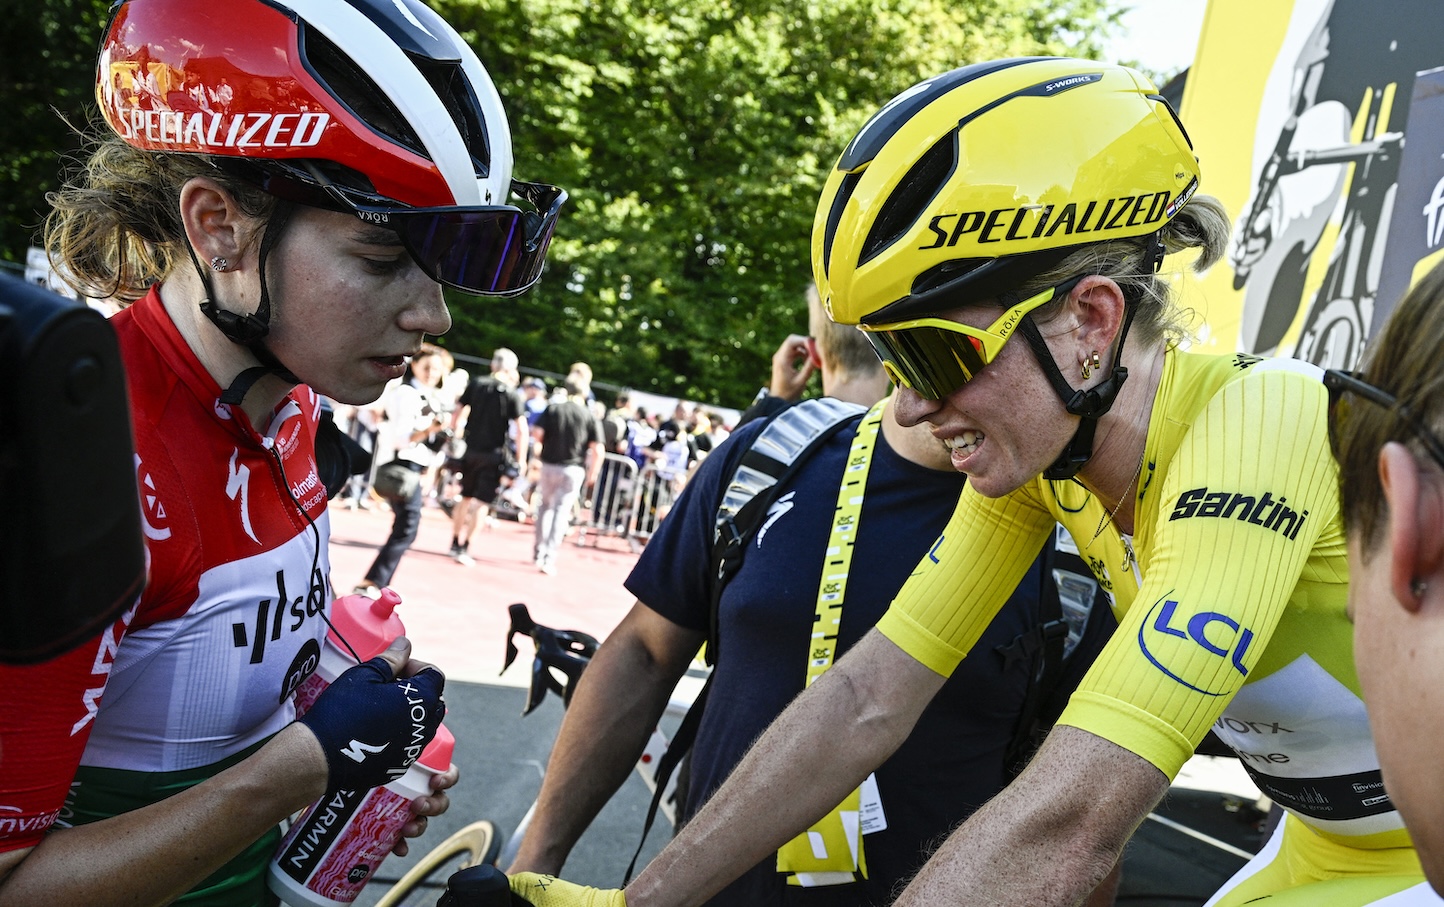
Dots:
(1416, 232)
(1330, 134)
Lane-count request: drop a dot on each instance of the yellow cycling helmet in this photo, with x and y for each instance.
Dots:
(966, 185)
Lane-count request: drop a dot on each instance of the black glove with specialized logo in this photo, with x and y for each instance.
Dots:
(372, 726)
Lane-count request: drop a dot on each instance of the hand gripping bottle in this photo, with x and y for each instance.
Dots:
(335, 846)
(369, 625)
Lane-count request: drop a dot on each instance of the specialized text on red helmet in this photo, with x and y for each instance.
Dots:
(202, 131)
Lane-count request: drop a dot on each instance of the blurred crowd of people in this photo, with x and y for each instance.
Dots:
(480, 446)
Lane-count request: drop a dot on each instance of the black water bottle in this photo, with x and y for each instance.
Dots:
(479, 886)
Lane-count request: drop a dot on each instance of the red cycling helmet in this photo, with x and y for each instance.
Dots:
(373, 107)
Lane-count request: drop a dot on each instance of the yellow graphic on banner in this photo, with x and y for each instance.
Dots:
(1298, 113)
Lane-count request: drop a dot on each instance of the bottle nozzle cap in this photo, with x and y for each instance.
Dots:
(437, 755)
(383, 606)
(369, 626)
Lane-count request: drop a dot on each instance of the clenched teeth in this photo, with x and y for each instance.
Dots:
(967, 442)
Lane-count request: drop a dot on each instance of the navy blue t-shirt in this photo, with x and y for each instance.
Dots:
(954, 760)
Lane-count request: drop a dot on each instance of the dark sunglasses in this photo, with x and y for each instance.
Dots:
(936, 356)
(1340, 382)
(491, 250)
(488, 251)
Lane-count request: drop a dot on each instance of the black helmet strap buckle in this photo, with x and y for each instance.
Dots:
(1090, 404)
(250, 330)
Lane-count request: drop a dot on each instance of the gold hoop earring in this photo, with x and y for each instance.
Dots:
(1091, 363)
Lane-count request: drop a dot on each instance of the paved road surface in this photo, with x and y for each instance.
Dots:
(456, 617)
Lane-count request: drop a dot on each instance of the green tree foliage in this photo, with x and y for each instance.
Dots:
(47, 76)
(694, 140)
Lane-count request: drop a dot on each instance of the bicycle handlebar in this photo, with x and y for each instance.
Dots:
(567, 651)
(479, 886)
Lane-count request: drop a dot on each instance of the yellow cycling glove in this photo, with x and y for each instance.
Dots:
(550, 891)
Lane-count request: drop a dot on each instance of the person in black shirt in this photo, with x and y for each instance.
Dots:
(496, 440)
(571, 457)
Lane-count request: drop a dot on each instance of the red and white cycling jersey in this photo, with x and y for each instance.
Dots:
(229, 622)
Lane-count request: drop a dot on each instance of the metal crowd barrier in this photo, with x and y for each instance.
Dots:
(651, 500)
(611, 512)
(627, 503)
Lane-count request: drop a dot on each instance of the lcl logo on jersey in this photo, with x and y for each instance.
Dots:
(1171, 635)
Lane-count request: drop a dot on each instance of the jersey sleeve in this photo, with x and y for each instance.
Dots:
(45, 721)
(967, 576)
(1245, 498)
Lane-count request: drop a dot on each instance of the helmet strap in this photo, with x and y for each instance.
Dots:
(250, 330)
(1092, 403)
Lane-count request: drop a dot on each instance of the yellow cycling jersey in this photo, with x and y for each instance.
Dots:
(1230, 596)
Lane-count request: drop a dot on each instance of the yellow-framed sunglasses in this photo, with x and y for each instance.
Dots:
(934, 356)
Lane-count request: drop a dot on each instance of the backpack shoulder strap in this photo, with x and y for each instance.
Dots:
(778, 451)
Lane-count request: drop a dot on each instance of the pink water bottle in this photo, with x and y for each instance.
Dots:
(369, 625)
(335, 846)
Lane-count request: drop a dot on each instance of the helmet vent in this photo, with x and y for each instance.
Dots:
(912, 196)
(834, 217)
(354, 88)
(453, 88)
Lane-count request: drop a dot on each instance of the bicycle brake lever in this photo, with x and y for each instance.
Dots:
(540, 680)
(478, 886)
(521, 622)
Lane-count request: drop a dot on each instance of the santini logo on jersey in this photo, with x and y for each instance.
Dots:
(1268, 512)
(199, 129)
(1043, 221)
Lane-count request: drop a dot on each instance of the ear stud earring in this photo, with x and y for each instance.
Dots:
(220, 263)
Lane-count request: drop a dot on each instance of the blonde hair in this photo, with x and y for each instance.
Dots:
(115, 228)
(1202, 224)
(843, 347)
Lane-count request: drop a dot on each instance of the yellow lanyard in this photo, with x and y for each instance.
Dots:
(837, 562)
(830, 852)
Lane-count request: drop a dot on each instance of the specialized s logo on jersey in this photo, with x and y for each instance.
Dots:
(100, 672)
(1173, 633)
(238, 487)
(775, 512)
(357, 751)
